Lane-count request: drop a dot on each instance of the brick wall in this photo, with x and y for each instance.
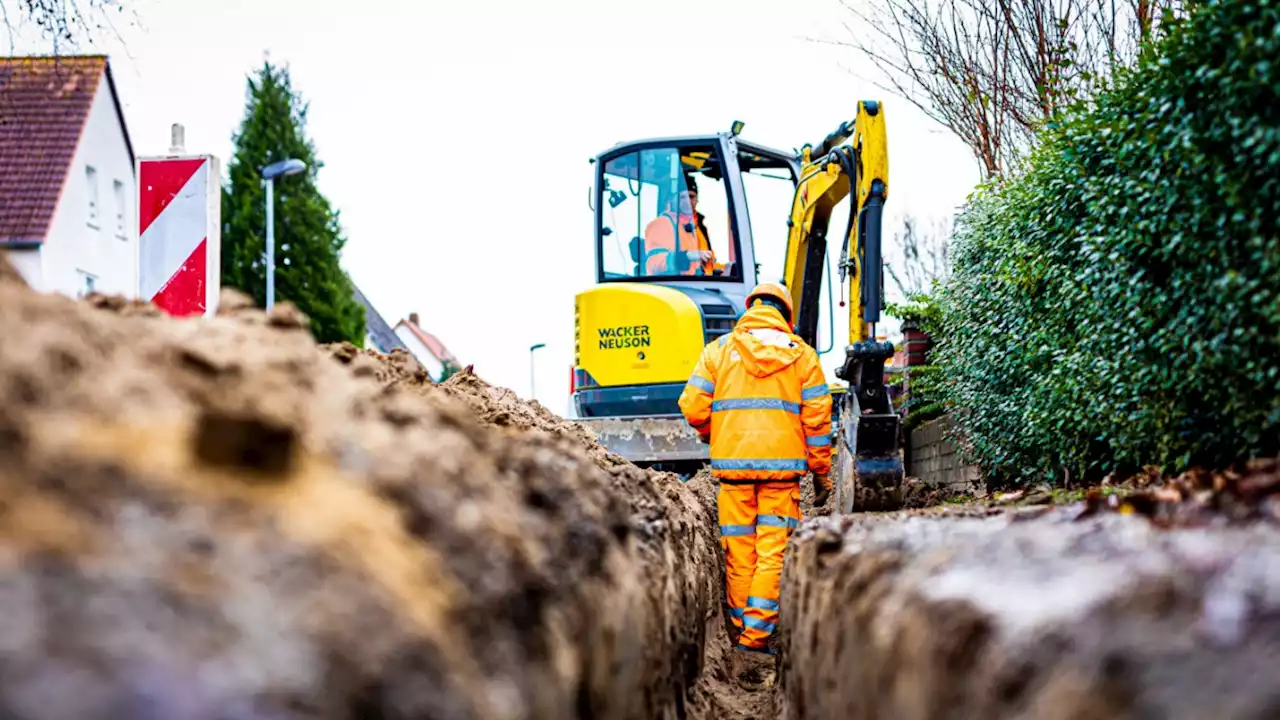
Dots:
(934, 460)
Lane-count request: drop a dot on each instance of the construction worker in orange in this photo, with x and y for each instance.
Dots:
(682, 234)
(759, 397)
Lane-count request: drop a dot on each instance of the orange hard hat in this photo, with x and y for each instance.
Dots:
(776, 291)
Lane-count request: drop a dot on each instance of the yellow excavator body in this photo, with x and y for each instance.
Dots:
(675, 259)
(636, 334)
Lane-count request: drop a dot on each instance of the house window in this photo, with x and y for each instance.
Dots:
(88, 283)
(118, 190)
(91, 186)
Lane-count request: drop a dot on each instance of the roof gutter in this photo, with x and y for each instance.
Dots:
(124, 126)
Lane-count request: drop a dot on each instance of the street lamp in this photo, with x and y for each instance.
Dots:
(533, 395)
(290, 166)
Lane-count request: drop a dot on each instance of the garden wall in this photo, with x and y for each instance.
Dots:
(936, 461)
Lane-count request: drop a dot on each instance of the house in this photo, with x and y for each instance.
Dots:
(67, 176)
(426, 347)
(378, 334)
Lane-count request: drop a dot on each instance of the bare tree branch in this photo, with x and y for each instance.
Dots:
(925, 256)
(994, 72)
(61, 22)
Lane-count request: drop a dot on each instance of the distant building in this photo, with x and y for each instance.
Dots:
(426, 347)
(67, 176)
(378, 335)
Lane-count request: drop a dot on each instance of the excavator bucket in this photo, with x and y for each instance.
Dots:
(649, 440)
(870, 477)
(868, 467)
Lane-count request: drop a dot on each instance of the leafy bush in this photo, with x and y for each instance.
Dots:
(449, 369)
(1119, 304)
(920, 308)
(922, 400)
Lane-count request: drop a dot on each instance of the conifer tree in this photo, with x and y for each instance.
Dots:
(308, 237)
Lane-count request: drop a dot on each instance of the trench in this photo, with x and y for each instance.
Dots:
(217, 518)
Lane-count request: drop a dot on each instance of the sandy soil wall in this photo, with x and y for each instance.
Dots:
(208, 519)
(1054, 617)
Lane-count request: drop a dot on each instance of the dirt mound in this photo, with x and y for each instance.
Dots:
(217, 518)
(674, 528)
(503, 408)
(1197, 498)
(1043, 615)
(858, 496)
(911, 494)
(124, 306)
(398, 368)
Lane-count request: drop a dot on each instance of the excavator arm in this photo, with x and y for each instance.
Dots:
(851, 161)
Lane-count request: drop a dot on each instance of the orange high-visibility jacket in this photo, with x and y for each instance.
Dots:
(761, 395)
(668, 231)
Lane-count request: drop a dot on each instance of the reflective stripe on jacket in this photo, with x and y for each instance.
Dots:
(761, 395)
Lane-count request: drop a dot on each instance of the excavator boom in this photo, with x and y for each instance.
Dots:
(867, 427)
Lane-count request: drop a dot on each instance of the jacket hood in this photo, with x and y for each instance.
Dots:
(764, 342)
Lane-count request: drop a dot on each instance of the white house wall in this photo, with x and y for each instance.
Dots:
(430, 362)
(27, 262)
(75, 246)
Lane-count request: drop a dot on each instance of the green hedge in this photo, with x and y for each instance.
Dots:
(923, 400)
(1119, 304)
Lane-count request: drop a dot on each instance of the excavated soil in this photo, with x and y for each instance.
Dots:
(1034, 613)
(675, 528)
(216, 518)
(1158, 600)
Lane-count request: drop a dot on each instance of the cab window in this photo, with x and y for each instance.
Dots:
(664, 214)
(769, 186)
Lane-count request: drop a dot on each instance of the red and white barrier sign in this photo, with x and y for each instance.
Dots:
(179, 233)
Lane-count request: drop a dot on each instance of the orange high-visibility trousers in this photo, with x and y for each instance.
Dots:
(756, 520)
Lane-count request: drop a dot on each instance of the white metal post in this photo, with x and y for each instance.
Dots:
(271, 244)
(533, 395)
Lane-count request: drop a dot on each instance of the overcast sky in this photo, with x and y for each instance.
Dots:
(456, 142)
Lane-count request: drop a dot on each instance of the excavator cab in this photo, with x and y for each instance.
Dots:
(661, 207)
(674, 261)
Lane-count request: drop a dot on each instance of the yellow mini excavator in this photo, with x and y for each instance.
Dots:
(674, 261)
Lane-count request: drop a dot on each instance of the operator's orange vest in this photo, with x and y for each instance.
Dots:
(662, 233)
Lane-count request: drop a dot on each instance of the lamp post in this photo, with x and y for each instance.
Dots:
(290, 166)
(532, 394)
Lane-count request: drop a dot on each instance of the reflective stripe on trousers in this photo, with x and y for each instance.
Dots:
(756, 519)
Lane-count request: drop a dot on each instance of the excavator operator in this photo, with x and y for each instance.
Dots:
(759, 397)
(693, 254)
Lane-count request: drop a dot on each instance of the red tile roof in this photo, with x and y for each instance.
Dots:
(44, 103)
(434, 346)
